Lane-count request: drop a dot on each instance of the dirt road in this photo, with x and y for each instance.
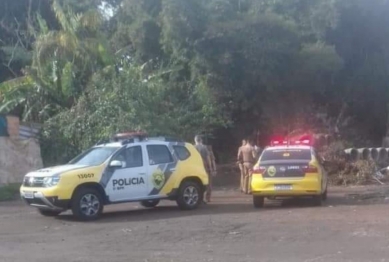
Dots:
(229, 229)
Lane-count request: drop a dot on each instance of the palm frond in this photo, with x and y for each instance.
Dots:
(67, 80)
(61, 16)
(43, 28)
(16, 83)
(91, 20)
(9, 105)
(59, 44)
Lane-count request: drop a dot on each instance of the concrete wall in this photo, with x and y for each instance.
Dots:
(18, 157)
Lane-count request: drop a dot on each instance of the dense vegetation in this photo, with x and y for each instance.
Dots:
(230, 68)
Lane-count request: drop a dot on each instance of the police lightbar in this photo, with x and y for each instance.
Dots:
(279, 142)
(305, 142)
(302, 142)
(129, 135)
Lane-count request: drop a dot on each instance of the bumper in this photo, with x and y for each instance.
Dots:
(308, 186)
(37, 198)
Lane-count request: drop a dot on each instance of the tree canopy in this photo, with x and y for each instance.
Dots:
(228, 68)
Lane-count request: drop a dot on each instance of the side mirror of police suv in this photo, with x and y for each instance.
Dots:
(116, 164)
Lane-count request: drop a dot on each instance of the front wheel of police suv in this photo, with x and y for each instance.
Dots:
(189, 196)
(87, 204)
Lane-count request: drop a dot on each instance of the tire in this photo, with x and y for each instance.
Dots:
(150, 203)
(190, 195)
(258, 201)
(318, 200)
(87, 204)
(49, 213)
(324, 195)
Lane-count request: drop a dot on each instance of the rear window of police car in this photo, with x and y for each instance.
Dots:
(286, 154)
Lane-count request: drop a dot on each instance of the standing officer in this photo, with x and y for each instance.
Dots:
(240, 163)
(247, 156)
(209, 167)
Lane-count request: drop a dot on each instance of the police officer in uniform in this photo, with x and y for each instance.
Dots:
(246, 156)
(208, 164)
(240, 163)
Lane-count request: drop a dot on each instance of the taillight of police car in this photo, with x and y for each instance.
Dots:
(309, 169)
(259, 170)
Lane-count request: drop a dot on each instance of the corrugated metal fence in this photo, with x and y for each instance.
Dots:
(11, 126)
(27, 131)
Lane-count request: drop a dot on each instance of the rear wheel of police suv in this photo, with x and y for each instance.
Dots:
(258, 201)
(87, 204)
(150, 203)
(49, 213)
(190, 195)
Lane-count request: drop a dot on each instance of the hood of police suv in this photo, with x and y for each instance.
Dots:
(55, 170)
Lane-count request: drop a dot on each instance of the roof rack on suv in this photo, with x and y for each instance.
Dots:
(165, 138)
(132, 137)
(129, 135)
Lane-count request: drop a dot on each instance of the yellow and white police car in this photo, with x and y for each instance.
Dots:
(136, 169)
(289, 169)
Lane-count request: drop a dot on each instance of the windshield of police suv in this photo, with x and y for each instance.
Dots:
(94, 156)
(286, 154)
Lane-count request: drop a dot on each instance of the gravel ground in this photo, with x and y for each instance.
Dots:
(351, 226)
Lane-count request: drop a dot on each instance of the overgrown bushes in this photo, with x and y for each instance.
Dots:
(128, 100)
(342, 171)
(9, 192)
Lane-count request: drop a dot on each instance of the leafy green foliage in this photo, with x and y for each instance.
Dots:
(230, 67)
(126, 100)
(62, 62)
(9, 192)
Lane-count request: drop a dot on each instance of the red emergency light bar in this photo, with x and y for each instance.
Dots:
(306, 142)
(302, 142)
(279, 142)
(129, 135)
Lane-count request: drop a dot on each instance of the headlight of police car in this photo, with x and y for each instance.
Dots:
(51, 181)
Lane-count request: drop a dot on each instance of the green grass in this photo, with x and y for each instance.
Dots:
(9, 192)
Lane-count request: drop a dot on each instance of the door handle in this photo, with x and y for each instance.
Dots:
(172, 169)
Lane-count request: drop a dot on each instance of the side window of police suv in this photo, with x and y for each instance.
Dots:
(159, 154)
(181, 152)
(130, 157)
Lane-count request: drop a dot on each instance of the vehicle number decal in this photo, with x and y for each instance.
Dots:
(84, 176)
